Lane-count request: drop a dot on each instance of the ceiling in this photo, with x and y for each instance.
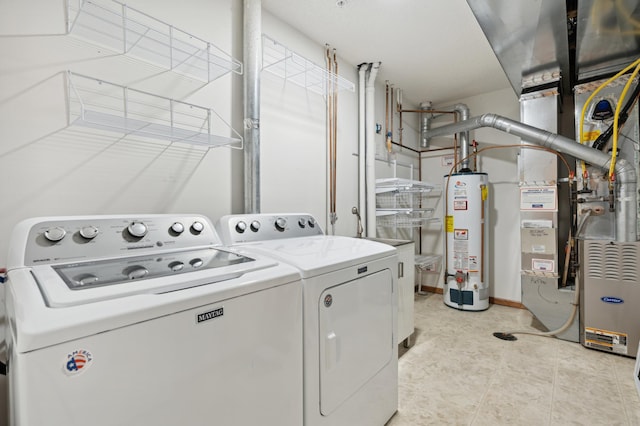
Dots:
(434, 50)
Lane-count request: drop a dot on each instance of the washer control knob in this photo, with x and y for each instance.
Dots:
(137, 272)
(281, 224)
(196, 263)
(137, 229)
(302, 222)
(197, 227)
(86, 279)
(312, 222)
(176, 266)
(177, 228)
(55, 234)
(89, 232)
(241, 227)
(255, 226)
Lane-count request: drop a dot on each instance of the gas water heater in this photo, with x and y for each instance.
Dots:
(466, 244)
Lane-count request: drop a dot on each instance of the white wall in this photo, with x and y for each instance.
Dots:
(501, 165)
(294, 150)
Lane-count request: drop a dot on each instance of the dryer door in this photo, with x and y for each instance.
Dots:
(356, 336)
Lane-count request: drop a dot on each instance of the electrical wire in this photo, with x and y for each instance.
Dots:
(616, 118)
(588, 101)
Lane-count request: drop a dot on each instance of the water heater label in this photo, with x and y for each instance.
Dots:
(461, 234)
(460, 204)
(448, 223)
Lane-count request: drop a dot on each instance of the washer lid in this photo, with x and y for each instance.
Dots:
(87, 282)
(320, 254)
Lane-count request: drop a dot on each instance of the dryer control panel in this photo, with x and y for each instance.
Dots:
(74, 238)
(244, 228)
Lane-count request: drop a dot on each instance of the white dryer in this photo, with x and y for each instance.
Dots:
(148, 320)
(349, 311)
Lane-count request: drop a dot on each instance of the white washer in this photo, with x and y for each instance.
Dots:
(148, 320)
(349, 311)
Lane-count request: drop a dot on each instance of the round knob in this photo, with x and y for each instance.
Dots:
(241, 227)
(176, 266)
(312, 222)
(86, 279)
(137, 272)
(255, 226)
(89, 232)
(196, 263)
(302, 222)
(197, 227)
(137, 229)
(177, 228)
(281, 224)
(55, 234)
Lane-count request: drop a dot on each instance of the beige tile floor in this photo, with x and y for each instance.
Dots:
(457, 373)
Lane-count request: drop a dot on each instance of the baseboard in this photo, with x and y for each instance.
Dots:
(492, 300)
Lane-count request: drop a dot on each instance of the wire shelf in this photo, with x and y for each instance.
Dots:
(107, 106)
(405, 218)
(287, 64)
(397, 200)
(403, 185)
(127, 30)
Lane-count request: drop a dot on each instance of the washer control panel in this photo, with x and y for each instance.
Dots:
(243, 228)
(72, 238)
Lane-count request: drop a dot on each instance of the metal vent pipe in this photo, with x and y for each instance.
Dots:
(252, 41)
(626, 188)
(463, 112)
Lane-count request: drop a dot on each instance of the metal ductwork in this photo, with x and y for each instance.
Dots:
(578, 40)
(625, 173)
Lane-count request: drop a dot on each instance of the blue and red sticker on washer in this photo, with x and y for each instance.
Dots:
(77, 362)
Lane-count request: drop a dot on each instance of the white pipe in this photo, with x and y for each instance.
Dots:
(370, 165)
(362, 195)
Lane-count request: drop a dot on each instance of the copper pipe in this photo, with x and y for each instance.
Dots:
(335, 129)
(386, 109)
(399, 108)
(391, 136)
(330, 117)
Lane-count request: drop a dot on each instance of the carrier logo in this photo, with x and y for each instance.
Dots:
(77, 362)
(615, 300)
(206, 316)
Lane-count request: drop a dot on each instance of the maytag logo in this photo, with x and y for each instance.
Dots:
(607, 299)
(206, 316)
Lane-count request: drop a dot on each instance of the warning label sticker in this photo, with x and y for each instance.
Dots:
(460, 204)
(609, 341)
(448, 223)
(461, 234)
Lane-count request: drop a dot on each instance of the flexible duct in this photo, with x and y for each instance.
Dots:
(625, 173)
(362, 197)
(370, 133)
(252, 36)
